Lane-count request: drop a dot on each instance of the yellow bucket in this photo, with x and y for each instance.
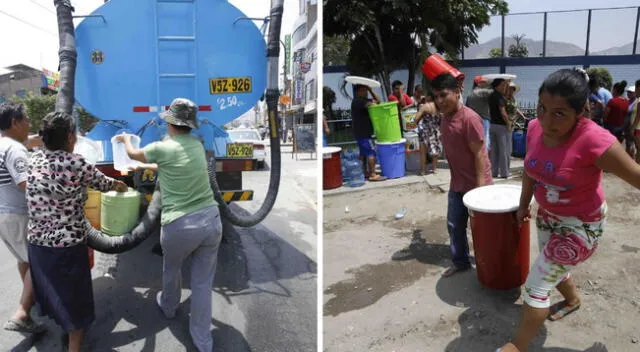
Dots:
(92, 207)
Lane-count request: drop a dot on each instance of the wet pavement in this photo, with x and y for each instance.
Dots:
(265, 290)
(383, 290)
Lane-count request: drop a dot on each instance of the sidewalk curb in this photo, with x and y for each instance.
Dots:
(382, 185)
(516, 171)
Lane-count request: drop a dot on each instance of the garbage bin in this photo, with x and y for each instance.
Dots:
(501, 246)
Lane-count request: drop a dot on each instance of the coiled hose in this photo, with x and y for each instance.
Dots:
(272, 95)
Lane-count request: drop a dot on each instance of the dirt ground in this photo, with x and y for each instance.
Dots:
(373, 303)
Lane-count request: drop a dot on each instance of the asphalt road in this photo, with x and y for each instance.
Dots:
(265, 290)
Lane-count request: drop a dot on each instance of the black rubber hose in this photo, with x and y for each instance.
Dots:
(64, 103)
(149, 222)
(273, 93)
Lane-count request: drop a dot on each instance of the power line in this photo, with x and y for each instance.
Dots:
(42, 6)
(28, 23)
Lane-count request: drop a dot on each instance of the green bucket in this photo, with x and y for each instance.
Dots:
(386, 124)
(119, 212)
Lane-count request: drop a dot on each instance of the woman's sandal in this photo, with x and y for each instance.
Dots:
(26, 326)
(561, 310)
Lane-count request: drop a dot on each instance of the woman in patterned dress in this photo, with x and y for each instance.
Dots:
(428, 121)
(57, 182)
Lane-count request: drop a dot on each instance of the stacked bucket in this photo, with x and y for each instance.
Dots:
(389, 141)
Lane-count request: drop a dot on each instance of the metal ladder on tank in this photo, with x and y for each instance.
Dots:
(161, 76)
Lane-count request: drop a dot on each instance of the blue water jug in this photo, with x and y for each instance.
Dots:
(355, 174)
(344, 158)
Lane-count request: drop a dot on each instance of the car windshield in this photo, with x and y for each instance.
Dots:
(244, 135)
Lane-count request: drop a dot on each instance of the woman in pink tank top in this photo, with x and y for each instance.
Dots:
(566, 153)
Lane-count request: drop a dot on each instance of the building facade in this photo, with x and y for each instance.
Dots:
(21, 80)
(304, 62)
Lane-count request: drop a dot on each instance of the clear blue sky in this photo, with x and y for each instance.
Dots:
(608, 29)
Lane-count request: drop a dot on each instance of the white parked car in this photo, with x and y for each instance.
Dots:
(252, 136)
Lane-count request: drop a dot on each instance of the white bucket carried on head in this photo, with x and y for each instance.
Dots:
(121, 160)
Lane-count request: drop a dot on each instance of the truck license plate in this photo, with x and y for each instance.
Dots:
(239, 150)
(229, 85)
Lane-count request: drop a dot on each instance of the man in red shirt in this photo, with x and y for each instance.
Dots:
(462, 133)
(616, 111)
(403, 99)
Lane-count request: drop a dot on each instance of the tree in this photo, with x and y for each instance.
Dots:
(391, 34)
(495, 53)
(602, 76)
(518, 49)
(335, 50)
(39, 106)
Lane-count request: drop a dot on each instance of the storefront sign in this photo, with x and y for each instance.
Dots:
(287, 54)
(305, 67)
(50, 79)
(298, 91)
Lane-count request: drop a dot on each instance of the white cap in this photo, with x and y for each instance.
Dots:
(631, 89)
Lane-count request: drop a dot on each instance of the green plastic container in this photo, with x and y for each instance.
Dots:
(119, 212)
(386, 124)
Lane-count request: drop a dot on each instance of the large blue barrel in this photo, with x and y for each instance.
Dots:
(519, 143)
(391, 156)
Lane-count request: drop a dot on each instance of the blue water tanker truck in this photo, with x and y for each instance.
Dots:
(124, 64)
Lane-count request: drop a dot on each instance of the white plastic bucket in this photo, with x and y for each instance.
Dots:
(90, 150)
(413, 142)
(121, 160)
(493, 199)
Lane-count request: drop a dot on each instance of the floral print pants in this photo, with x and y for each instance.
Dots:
(564, 242)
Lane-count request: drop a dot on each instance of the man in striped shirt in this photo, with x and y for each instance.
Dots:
(14, 132)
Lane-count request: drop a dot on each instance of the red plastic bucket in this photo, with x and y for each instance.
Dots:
(501, 246)
(434, 66)
(331, 168)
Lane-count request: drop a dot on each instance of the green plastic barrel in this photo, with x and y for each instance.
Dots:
(119, 212)
(386, 124)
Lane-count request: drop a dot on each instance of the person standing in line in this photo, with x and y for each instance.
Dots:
(428, 121)
(363, 129)
(326, 131)
(57, 182)
(191, 225)
(499, 130)
(628, 120)
(478, 101)
(600, 96)
(14, 132)
(403, 99)
(419, 97)
(616, 111)
(462, 132)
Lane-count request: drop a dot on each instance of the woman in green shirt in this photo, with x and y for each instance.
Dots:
(190, 219)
